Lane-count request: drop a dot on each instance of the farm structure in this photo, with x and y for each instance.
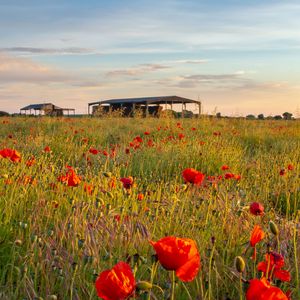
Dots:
(47, 109)
(149, 106)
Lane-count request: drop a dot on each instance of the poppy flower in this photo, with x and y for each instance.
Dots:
(261, 289)
(272, 266)
(146, 133)
(127, 182)
(117, 283)
(140, 196)
(193, 176)
(71, 178)
(180, 255)
(229, 175)
(256, 236)
(256, 209)
(12, 154)
(282, 172)
(290, 167)
(225, 167)
(88, 188)
(47, 149)
(93, 151)
(180, 136)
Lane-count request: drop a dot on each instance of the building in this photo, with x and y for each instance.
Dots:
(47, 109)
(148, 105)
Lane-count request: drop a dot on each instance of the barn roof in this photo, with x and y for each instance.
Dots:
(149, 100)
(39, 106)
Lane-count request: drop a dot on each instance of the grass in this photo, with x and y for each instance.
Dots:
(55, 239)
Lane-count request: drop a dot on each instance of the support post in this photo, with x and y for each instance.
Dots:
(133, 109)
(182, 113)
(147, 112)
(88, 109)
(199, 109)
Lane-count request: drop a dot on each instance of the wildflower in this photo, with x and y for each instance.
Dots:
(47, 149)
(256, 236)
(229, 175)
(272, 267)
(193, 176)
(140, 196)
(180, 136)
(290, 167)
(256, 209)
(282, 172)
(180, 255)
(127, 182)
(117, 283)
(12, 154)
(225, 167)
(146, 133)
(30, 162)
(71, 178)
(93, 151)
(261, 289)
(88, 188)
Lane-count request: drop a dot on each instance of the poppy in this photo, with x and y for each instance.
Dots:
(140, 196)
(93, 151)
(127, 182)
(180, 255)
(256, 236)
(256, 209)
(282, 172)
(117, 283)
(272, 267)
(12, 154)
(146, 133)
(193, 176)
(229, 176)
(47, 149)
(261, 289)
(290, 167)
(71, 178)
(225, 167)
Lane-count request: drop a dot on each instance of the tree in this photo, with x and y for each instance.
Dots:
(218, 115)
(261, 117)
(250, 117)
(278, 117)
(287, 116)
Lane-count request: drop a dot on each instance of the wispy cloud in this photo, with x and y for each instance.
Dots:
(52, 51)
(138, 70)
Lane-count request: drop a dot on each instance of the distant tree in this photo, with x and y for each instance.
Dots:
(4, 114)
(261, 117)
(278, 117)
(218, 115)
(250, 117)
(287, 116)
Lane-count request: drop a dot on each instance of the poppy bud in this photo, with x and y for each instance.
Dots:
(52, 297)
(107, 174)
(144, 285)
(18, 242)
(239, 264)
(273, 228)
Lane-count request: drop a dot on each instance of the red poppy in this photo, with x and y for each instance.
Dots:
(12, 154)
(71, 178)
(256, 209)
(193, 176)
(30, 162)
(88, 188)
(117, 283)
(137, 139)
(271, 267)
(180, 255)
(256, 236)
(47, 149)
(93, 151)
(229, 175)
(127, 182)
(260, 289)
(282, 172)
(146, 133)
(290, 167)
(225, 167)
(180, 136)
(140, 196)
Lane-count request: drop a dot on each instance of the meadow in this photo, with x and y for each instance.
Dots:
(79, 196)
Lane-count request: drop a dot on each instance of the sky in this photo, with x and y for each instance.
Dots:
(237, 57)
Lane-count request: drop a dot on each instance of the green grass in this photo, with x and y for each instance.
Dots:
(47, 250)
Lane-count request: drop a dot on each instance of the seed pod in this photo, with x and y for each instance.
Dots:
(144, 285)
(240, 264)
(18, 242)
(273, 228)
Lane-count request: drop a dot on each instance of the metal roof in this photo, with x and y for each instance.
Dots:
(149, 100)
(39, 106)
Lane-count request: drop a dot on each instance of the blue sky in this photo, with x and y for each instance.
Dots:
(238, 57)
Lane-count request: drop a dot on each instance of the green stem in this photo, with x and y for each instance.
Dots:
(173, 286)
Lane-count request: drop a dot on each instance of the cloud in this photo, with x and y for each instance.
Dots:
(138, 70)
(46, 51)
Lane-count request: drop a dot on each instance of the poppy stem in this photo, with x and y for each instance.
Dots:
(241, 287)
(173, 286)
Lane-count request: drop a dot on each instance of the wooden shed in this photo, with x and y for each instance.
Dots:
(47, 109)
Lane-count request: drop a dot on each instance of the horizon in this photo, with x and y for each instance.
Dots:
(238, 57)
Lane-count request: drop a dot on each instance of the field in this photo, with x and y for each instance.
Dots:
(81, 195)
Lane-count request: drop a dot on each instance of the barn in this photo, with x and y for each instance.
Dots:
(47, 109)
(149, 106)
